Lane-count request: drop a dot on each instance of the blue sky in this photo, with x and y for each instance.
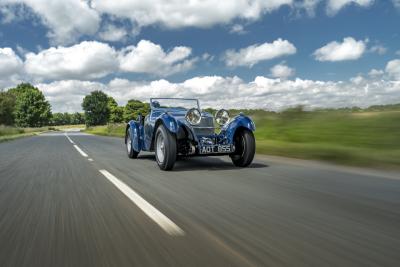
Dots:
(313, 52)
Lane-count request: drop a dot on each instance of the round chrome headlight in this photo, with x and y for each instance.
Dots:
(222, 117)
(193, 116)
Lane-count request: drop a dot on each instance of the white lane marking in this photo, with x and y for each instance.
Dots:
(77, 147)
(163, 221)
(69, 139)
(81, 151)
(90, 159)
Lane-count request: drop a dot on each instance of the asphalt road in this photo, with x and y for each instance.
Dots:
(96, 207)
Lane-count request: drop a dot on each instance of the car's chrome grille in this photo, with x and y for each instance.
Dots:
(206, 126)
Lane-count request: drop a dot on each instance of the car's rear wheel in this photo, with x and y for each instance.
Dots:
(165, 148)
(245, 148)
(129, 148)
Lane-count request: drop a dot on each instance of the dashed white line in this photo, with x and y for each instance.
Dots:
(69, 139)
(163, 221)
(77, 147)
(90, 159)
(81, 151)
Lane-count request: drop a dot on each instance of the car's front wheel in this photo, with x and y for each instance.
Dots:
(245, 148)
(165, 148)
(129, 148)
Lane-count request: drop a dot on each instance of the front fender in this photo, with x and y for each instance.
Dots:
(169, 122)
(240, 121)
(134, 126)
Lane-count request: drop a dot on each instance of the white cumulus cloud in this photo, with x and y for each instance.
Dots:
(333, 6)
(147, 57)
(66, 19)
(238, 29)
(379, 49)
(233, 92)
(10, 63)
(197, 13)
(11, 68)
(349, 49)
(112, 33)
(282, 71)
(375, 73)
(93, 60)
(67, 95)
(393, 69)
(86, 60)
(253, 54)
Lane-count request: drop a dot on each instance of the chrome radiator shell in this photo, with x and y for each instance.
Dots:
(206, 126)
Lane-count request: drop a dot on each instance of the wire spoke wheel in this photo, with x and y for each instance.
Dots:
(129, 148)
(129, 144)
(160, 148)
(165, 148)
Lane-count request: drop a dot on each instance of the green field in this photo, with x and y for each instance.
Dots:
(362, 137)
(354, 138)
(9, 133)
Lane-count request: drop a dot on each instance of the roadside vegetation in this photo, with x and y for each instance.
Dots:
(24, 111)
(368, 137)
(9, 133)
(117, 130)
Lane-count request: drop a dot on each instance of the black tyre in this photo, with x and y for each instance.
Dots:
(129, 149)
(245, 148)
(165, 148)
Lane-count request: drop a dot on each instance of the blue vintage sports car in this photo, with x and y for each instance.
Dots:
(177, 126)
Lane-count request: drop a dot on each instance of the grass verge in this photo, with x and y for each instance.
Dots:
(8, 133)
(353, 156)
(116, 130)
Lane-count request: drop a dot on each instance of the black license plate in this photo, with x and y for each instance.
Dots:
(216, 149)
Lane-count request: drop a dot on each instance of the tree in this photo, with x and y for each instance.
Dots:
(96, 108)
(57, 119)
(77, 118)
(135, 107)
(31, 107)
(116, 112)
(67, 118)
(210, 110)
(7, 102)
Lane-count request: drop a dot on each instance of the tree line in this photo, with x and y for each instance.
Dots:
(26, 106)
(101, 109)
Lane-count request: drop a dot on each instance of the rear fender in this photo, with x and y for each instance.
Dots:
(135, 134)
(239, 122)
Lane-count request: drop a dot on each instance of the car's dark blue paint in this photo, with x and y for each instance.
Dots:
(237, 122)
(173, 119)
(135, 129)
